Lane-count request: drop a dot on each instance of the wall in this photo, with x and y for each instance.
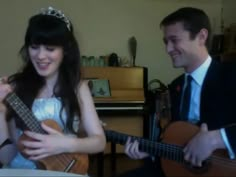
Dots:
(102, 27)
(229, 14)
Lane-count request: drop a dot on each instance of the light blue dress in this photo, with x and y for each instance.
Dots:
(43, 108)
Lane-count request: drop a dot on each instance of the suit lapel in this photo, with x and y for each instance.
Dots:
(209, 86)
(176, 92)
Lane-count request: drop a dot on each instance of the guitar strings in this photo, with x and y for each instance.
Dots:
(169, 150)
(154, 148)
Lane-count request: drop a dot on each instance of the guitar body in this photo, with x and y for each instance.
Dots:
(67, 162)
(179, 133)
(170, 150)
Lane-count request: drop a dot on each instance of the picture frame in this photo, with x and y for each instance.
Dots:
(100, 87)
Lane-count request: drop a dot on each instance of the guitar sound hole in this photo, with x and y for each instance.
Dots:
(198, 170)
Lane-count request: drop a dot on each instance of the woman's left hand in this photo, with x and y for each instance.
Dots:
(43, 145)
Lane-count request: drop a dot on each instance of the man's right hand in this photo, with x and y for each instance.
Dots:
(132, 150)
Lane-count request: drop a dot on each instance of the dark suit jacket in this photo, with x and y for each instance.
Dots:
(218, 99)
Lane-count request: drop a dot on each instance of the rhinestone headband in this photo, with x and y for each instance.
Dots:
(56, 13)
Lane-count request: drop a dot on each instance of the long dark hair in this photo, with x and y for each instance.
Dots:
(50, 30)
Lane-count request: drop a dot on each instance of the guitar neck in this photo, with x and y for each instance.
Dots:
(168, 151)
(24, 113)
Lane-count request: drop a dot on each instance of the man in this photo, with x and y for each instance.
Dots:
(211, 88)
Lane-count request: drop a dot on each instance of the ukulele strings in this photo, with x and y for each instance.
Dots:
(62, 160)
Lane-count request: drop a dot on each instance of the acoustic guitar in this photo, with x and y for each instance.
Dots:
(170, 150)
(66, 162)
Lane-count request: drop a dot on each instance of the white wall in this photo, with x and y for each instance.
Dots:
(103, 27)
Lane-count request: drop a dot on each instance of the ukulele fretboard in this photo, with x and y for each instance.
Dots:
(24, 112)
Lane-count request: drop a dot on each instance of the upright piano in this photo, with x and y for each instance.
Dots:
(128, 86)
(125, 109)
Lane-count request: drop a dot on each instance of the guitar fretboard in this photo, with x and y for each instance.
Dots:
(168, 151)
(24, 113)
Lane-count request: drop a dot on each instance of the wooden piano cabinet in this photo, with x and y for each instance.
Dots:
(126, 83)
(128, 87)
(124, 110)
(119, 77)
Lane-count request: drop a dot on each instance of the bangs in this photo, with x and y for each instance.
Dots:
(46, 30)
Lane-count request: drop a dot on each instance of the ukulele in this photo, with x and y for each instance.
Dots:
(170, 150)
(66, 162)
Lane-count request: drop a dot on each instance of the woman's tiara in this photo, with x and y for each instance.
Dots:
(56, 13)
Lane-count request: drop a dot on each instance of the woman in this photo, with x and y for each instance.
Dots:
(50, 84)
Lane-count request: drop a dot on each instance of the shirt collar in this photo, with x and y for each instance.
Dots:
(200, 73)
